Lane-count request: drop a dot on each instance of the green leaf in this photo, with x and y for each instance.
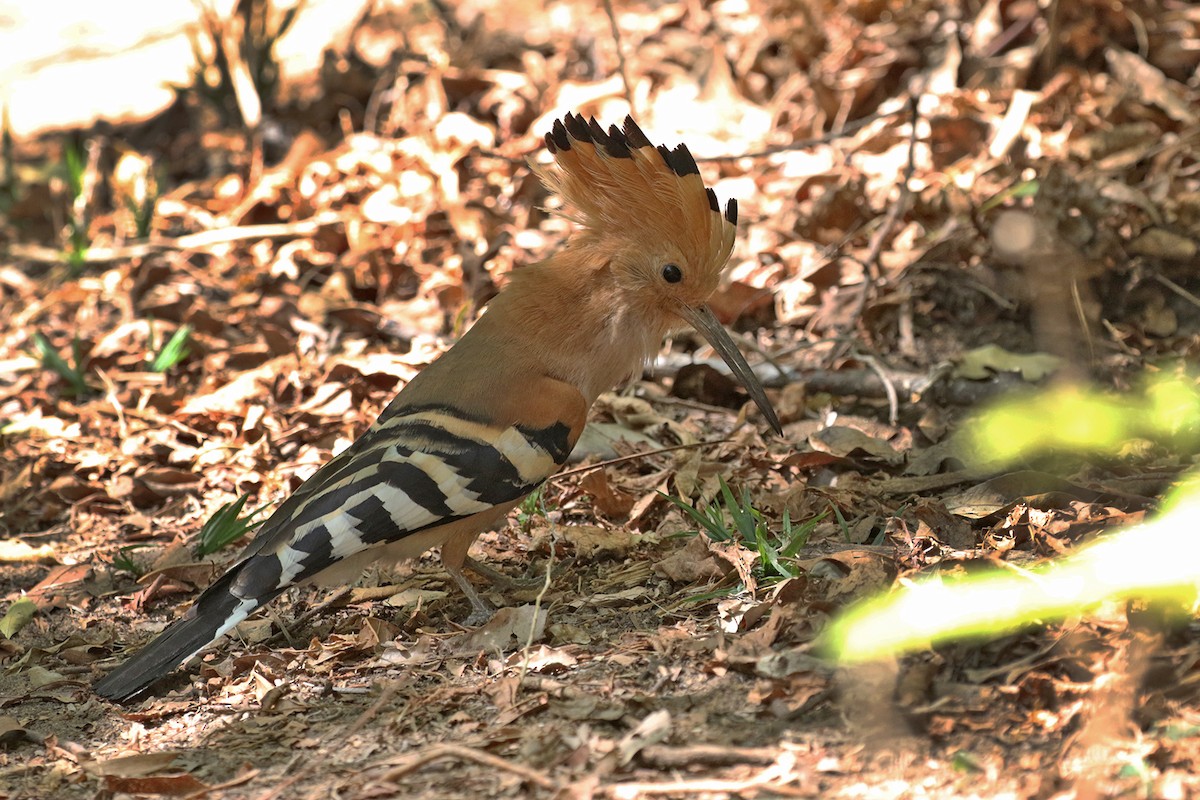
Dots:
(19, 614)
(174, 351)
(224, 527)
(1017, 191)
(51, 360)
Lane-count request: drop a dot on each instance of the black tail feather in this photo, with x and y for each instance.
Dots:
(216, 611)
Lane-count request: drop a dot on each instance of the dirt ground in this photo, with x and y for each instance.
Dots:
(941, 203)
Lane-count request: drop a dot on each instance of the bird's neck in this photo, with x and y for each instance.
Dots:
(570, 319)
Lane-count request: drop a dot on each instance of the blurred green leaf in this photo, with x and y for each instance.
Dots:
(225, 527)
(174, 351)
(74, 375)
(20, 613)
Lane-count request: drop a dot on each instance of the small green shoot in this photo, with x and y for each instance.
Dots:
(124, 561)
(1014, 192)
(75, 162)
(842, 524)
(235, 83)
(533, 506)
(75, 375)
(224, 527)
(736, 518)
(77, 257)
(964, 761)
(1139, 771)
(710, 519)
(795, 538)
(1174, 732)
(75, 168)
(704, 597)
(135, 180)
(142, 213)
(8, 164)
(174, 351)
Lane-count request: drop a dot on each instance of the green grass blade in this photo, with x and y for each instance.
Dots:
(174, 351)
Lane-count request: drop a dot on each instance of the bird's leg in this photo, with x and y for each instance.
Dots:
(454, 555)
(481, 609)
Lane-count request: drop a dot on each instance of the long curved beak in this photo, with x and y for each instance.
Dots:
(703, 320)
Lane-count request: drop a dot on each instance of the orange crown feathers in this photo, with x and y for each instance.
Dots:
(618, 182)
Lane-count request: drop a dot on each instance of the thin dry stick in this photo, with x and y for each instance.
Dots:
(684, 402)
(439, 751)
(616, 34)
(280, 789)
(1081, 315)
(888, 387)
(871, 262)
(802, 144)
(707, 755)
(192, 241)
(217, 788)
(1176, 288)
(634, 457)
(776, 777)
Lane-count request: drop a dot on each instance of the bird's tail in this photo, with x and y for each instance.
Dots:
(216, 611)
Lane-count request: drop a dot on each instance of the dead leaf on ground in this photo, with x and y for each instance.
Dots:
(508, 627)
(692, 563)
(610, 502)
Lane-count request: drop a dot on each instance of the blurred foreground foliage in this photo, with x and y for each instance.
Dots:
(1157, 562)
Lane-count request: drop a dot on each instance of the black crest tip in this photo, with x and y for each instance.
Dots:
(683, 163)
(712, 200)
(679, 160)
(577, 127)
(597, 131)
(559, 134)
(634, 136)
(616, 145)
(731, 211)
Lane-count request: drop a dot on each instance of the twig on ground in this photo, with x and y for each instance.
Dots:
(634, 457)
(708, 754)
(428, 755)
(871, 273)
(803, 144)
(864, 383)
(781, 777)
(888, 387)
(192, 241)
(1176, 288)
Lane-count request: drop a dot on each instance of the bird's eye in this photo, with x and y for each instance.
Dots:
(672, 273)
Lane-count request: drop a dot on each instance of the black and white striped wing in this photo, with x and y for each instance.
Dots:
(416, 469)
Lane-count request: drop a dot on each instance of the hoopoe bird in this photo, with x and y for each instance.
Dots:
(495, 416)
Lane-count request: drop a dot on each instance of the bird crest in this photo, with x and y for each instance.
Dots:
(616, 181)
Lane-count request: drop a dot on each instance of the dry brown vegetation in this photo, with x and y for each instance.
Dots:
(917, 181)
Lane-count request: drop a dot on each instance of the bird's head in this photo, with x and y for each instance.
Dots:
(647, 215)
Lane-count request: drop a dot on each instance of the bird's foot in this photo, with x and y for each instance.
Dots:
(481, 609)
(497, 578)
